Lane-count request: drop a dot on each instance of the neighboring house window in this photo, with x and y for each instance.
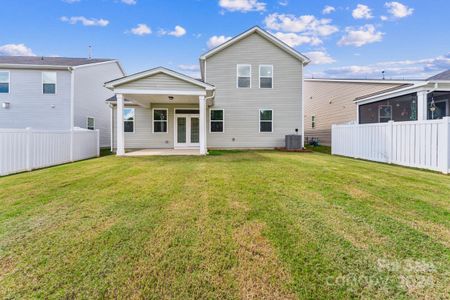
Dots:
(90, 123)
(313, 121)
(265, 120)
(49, 82)
(244, 75)
(265, 76)
(128, 119)
(216, 122)
(4, 82)
(160, 120)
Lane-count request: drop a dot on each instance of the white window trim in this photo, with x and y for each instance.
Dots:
(153, 121)
(223, 120)
(237, 76)
(134, 121)
(9, 82)
(259, 123)
(42, 84)
(259, 77)
(87, 122)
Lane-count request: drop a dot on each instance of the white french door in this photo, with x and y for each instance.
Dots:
(187, 131)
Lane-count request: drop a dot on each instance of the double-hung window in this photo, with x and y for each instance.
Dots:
(216, 120)
(160, 120)
(90, 123)
(4, 82)
(128, 119)
(313, 121)
(265, 120)
(244, 76)
(265, 76)
(49, 82)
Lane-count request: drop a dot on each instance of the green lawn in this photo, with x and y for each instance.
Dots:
(258, 224)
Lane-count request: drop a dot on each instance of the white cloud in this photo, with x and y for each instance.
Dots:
(216, 40)
(361, 36)
(16, 50)
(190, 70)
(296, 31)
(283, 2)
(362, 12)
(294, 39)
(383, 18)
(421, 68)
(303, 24)
(320, 57)
(85, 21)
(242, 5)
(141, 29)
(70, 1)
(129, 2)
(177, 32)
(398, 10)
(328, 10)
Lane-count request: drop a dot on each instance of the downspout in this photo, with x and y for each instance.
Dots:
(111, 126)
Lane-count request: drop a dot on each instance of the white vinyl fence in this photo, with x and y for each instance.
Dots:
(419, 144)
(28, 149)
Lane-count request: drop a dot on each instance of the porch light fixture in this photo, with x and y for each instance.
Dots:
(170, 98)
(5, 105)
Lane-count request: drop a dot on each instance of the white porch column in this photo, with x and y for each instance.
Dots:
(422, 105)
(202, 107)
(119, 131)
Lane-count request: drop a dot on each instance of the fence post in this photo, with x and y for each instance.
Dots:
(445, 151)
(71, 144)
(355, 140)
(390, 142)
(29, 163)
(98, 142)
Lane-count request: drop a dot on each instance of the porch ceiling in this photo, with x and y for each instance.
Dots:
(148, 99)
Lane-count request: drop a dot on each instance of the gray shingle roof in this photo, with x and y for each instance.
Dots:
(441, 76)
(50, 61)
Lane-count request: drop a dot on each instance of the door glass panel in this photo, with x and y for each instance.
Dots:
(195, 130)
(181, 130)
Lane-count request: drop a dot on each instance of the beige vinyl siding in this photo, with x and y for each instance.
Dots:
(143, 137)
(241, 105)
(342, 108)
(90, 96)
(160, 81)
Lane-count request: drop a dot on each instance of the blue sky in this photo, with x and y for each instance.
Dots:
(406, 38)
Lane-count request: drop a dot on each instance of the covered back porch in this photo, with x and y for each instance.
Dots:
(160, 109)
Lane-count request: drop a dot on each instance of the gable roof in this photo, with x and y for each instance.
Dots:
(441, 76)
(50, 61)
(116, 82)
(270, 37)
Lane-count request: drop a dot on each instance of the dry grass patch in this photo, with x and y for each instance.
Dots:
(260, 274)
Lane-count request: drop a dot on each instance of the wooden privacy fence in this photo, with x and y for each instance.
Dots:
(419, 144)
(28, 149)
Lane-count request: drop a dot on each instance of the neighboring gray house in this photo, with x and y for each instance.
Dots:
(56, 93)
(250, 96)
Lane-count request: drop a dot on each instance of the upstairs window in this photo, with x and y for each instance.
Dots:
(244, 76)
(160, 120)
(90, 123)
(128, 119)
(216, 120)
(265, 120)
(313, 121)
(265, 76)
(49, 82)
(4, 82)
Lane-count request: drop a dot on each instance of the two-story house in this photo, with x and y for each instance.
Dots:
(249, 96)
(56, 93)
